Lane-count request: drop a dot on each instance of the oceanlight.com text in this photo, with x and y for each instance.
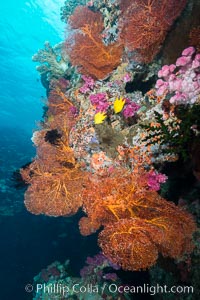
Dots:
(61, 289)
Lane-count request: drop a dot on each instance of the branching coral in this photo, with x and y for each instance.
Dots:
(53, 63)
(145, 24)
(85, 47)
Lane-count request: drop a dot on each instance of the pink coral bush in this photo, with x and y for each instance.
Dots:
(88, 85)
(99, 100)
(181, 82)
(130, 108)
(154, 180)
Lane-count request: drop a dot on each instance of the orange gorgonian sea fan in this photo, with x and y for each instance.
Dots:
(55, 178)
(134, 243)
(55, 194)
(55, 186)
(145, 23)
(86, 48)
(194, 38)
(138, 223)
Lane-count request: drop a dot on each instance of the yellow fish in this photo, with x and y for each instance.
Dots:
(99, 117)
(118, 104)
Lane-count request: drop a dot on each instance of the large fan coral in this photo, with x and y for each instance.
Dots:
(56, 182)
(55, 179)
(86, 48)
(195, 38)
(138, 222)
(145, 24)
(134, 243)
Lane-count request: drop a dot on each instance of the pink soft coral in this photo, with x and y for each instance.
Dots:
(154, 180)
(181, 82)
(99, 101)
(130, 108)
(88, 85)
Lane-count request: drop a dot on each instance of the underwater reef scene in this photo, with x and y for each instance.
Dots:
(119, 145)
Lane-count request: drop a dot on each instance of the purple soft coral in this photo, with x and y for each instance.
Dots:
(99, 101)
(88, 85)
(74, 110)
(96, 264)
(130, 108)
(154, 180)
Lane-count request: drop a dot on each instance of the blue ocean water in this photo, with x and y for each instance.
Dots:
(27, 243)
(24, 27)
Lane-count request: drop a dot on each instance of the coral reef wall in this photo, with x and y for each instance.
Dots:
(106, 139)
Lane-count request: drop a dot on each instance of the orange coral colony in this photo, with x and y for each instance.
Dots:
(106, 168)
(85, 47)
